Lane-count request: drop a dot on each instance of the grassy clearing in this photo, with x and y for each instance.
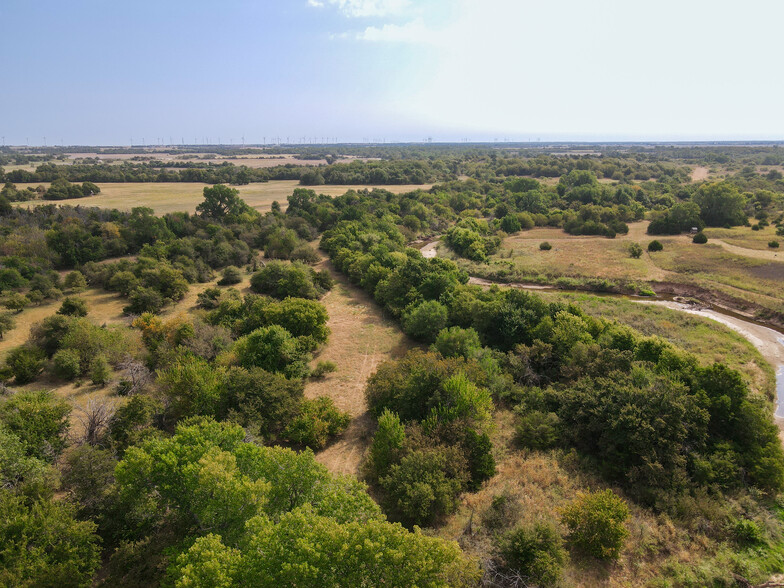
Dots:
(165, 197)
(361, 338)
(735, 266)
(745, 237)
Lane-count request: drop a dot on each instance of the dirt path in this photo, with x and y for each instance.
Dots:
(699, 173)
(360, 340)
(746, 252)
(430, 250)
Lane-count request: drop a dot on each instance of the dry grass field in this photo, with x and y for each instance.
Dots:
(185, 196)
(361, 338)
(734, 265)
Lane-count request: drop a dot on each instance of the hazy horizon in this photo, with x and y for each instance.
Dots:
(357, 71)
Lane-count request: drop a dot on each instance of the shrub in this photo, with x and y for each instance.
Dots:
(700, 238)
(280, 280)
(387, 445)
(424, 321)
(323, 368)
(503, 512)
(773, 244)
(596, 523)
(538, 430)
(317, 422)
(99, 371)
(143, 300)
(655, 246)
(510, 224)
(25, 363)
(635, 250)
(231, 275)
(425, 484)
(747, 532)
(16, 301)
(75, 281)
(458, 342)
(73, 306)
(273, 349)
(305, 253)
(66, 364)
(536, 552)
(545, 246)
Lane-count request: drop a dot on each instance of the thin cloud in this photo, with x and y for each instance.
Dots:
(365, 8)
(411, 32)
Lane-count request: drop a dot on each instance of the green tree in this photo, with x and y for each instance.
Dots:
(75, 281)
(721, 204)
(536, 552)
(73, 306)
(42, 544)
(7, 323)
(387, 445)
(458, 342)
(222, 203)
(273, 349)
(66, 364)
(16, 301)
(424, 321)
(25, 363)
(99, 371)
(40, 421)
(231, 275)
(317, 422)
(597, 523)
(635, 250)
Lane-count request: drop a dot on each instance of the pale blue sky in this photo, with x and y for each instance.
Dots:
(99, 71)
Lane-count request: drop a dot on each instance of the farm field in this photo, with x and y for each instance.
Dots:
(168, 197)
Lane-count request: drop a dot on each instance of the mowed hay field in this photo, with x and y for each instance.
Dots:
(164, 197)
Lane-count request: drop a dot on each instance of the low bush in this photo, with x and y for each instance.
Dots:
(597, 523)
(700, 238)
(536, 552)
(655, 245)
(545, 246)
(318, 421)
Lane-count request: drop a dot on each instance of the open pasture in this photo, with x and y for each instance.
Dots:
(165, 197)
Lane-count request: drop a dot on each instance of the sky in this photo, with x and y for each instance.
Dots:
(88, 72)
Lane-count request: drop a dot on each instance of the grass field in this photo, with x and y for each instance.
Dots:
(185, 196)
(361, 338)
(734, 264)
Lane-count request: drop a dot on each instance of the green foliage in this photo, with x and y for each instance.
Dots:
(18, 470)
(25, 363)
(387, 445)
(261, 401)
(73, 306)
(223, 203)
(66, 364)
(539, 430)
(273, 349)
(425, 484)
(721, 204)
(503, 512)
(635, 250)
(231, 275)
(16, 301)
(42, 544)
(458, 342)
(192, 386)
(655, 245)
(99, 371)
(545, 246)
(773, 244)
(536, 552)
(323, 368)
(39, 420)
(132, 423)
(423, 322)
(310, 550)
(75, 281)
(317, 422)
(597, 523)
(7, 323)
(280, 280)
(88, 474)
(143, 300)
(700, 238)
